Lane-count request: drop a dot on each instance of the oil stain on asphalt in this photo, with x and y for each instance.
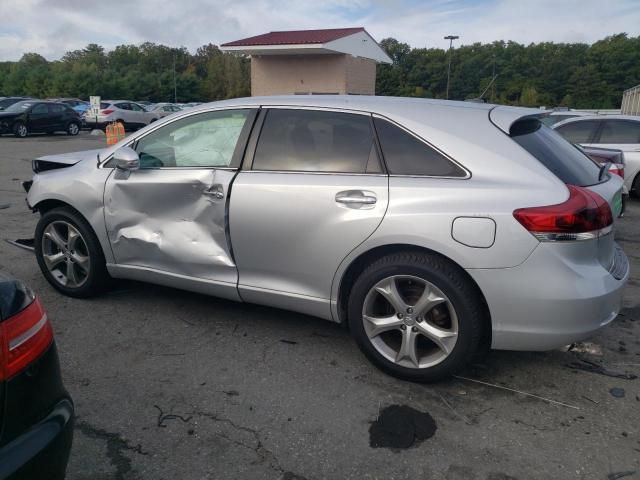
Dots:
(399, 427)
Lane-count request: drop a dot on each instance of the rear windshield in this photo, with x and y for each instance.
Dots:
(104, 105)
(564, 159)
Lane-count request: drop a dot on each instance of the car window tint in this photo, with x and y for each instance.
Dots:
(137, 108)
(620, 131)
(40, 108)
(104, 105)
(405, 154)
(314, 141)
(123, 106)
(56, 108)
(579, 131)
(204, 140)
(564, 159)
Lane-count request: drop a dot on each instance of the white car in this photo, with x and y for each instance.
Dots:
(163, 109)
(132, 115)
(620, 132)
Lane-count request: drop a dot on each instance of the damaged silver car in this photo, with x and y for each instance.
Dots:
(433, 229)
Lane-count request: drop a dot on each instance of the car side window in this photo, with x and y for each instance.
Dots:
(620, 131)
(316, 141)
(203, 140)
(56, 108)
(405, 154)
(123, 106)
(578, 131)
(40, 109)
(136, 108)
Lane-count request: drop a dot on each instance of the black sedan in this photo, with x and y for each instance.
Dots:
(29, 116)
(36, 412)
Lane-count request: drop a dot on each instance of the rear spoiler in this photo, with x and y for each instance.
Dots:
(504, 117)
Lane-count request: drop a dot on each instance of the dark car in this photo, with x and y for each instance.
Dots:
(6, 102)
(36, 415)
(29, 116)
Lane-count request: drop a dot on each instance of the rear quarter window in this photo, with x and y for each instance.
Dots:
(565, 160)
(405, 154)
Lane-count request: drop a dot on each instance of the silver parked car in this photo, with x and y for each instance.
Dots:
(132, 115)
(162, 110)
(432, 229)
(620, 132)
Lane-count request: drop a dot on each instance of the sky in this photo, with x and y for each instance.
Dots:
(52, 27)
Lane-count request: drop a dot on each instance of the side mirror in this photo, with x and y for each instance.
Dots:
(126, 159)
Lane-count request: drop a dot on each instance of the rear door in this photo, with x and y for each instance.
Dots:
(170, 216)
(314, 189)
(56, 116)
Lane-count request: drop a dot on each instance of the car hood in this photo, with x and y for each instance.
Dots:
(5, 115)
(51, 162)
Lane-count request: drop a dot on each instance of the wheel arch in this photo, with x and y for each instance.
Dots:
(359, 263)
(48, 204)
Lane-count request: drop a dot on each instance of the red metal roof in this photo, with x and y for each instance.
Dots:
(295, 37)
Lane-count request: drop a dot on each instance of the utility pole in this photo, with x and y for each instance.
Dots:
(493, 83)
(175, 87)
(451, 38)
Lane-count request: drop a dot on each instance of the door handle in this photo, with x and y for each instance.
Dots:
(215, 191)
(357, 198)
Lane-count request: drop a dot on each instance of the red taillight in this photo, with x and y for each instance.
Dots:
(617, 169)
(25, 337)
(107, 111)
(583, 216)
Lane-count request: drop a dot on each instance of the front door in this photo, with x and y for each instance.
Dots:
(316, 190)
(169, 217)
(39, 119)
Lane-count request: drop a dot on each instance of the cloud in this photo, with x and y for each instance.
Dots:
(52, 27)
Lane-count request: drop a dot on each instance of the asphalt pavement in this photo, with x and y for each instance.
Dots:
(175, 385)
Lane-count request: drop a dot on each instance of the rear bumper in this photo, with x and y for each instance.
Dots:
(43, 450)
(552, 299)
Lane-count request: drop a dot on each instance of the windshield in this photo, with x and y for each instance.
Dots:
(19, 107)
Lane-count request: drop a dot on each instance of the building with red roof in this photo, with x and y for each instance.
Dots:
(329, 61)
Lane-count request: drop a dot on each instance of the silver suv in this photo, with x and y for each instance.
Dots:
(432, 229)
(132, 115)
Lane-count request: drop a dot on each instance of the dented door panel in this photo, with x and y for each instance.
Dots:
(172, 220)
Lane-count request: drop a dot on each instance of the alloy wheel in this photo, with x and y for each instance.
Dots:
(65, 254)
(73, 129)
(410, 321)
(22, 130)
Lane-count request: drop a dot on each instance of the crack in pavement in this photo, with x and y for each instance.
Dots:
(264, 454)
(116, 446)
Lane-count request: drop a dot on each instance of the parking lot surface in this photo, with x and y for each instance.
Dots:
(174, 385)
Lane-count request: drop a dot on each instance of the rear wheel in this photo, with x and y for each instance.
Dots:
(635, 186)
(416, 316)
(20, 130)
(69, 254)
(73, 128)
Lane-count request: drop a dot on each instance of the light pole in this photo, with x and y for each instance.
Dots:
(451, 38)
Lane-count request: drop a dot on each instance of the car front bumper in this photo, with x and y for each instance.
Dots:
(552, 299)
(43, 449)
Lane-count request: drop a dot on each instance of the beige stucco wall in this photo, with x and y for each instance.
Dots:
(297, 74)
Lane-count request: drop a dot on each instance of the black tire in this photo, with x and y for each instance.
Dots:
(452, 281)
(73, 129)
(635, 187)
(20, 130)
(97, 279)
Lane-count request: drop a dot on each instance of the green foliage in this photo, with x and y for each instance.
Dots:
(569, 74)
(141, 72)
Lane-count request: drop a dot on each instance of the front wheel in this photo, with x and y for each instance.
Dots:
(69, 254)
(416, 316)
